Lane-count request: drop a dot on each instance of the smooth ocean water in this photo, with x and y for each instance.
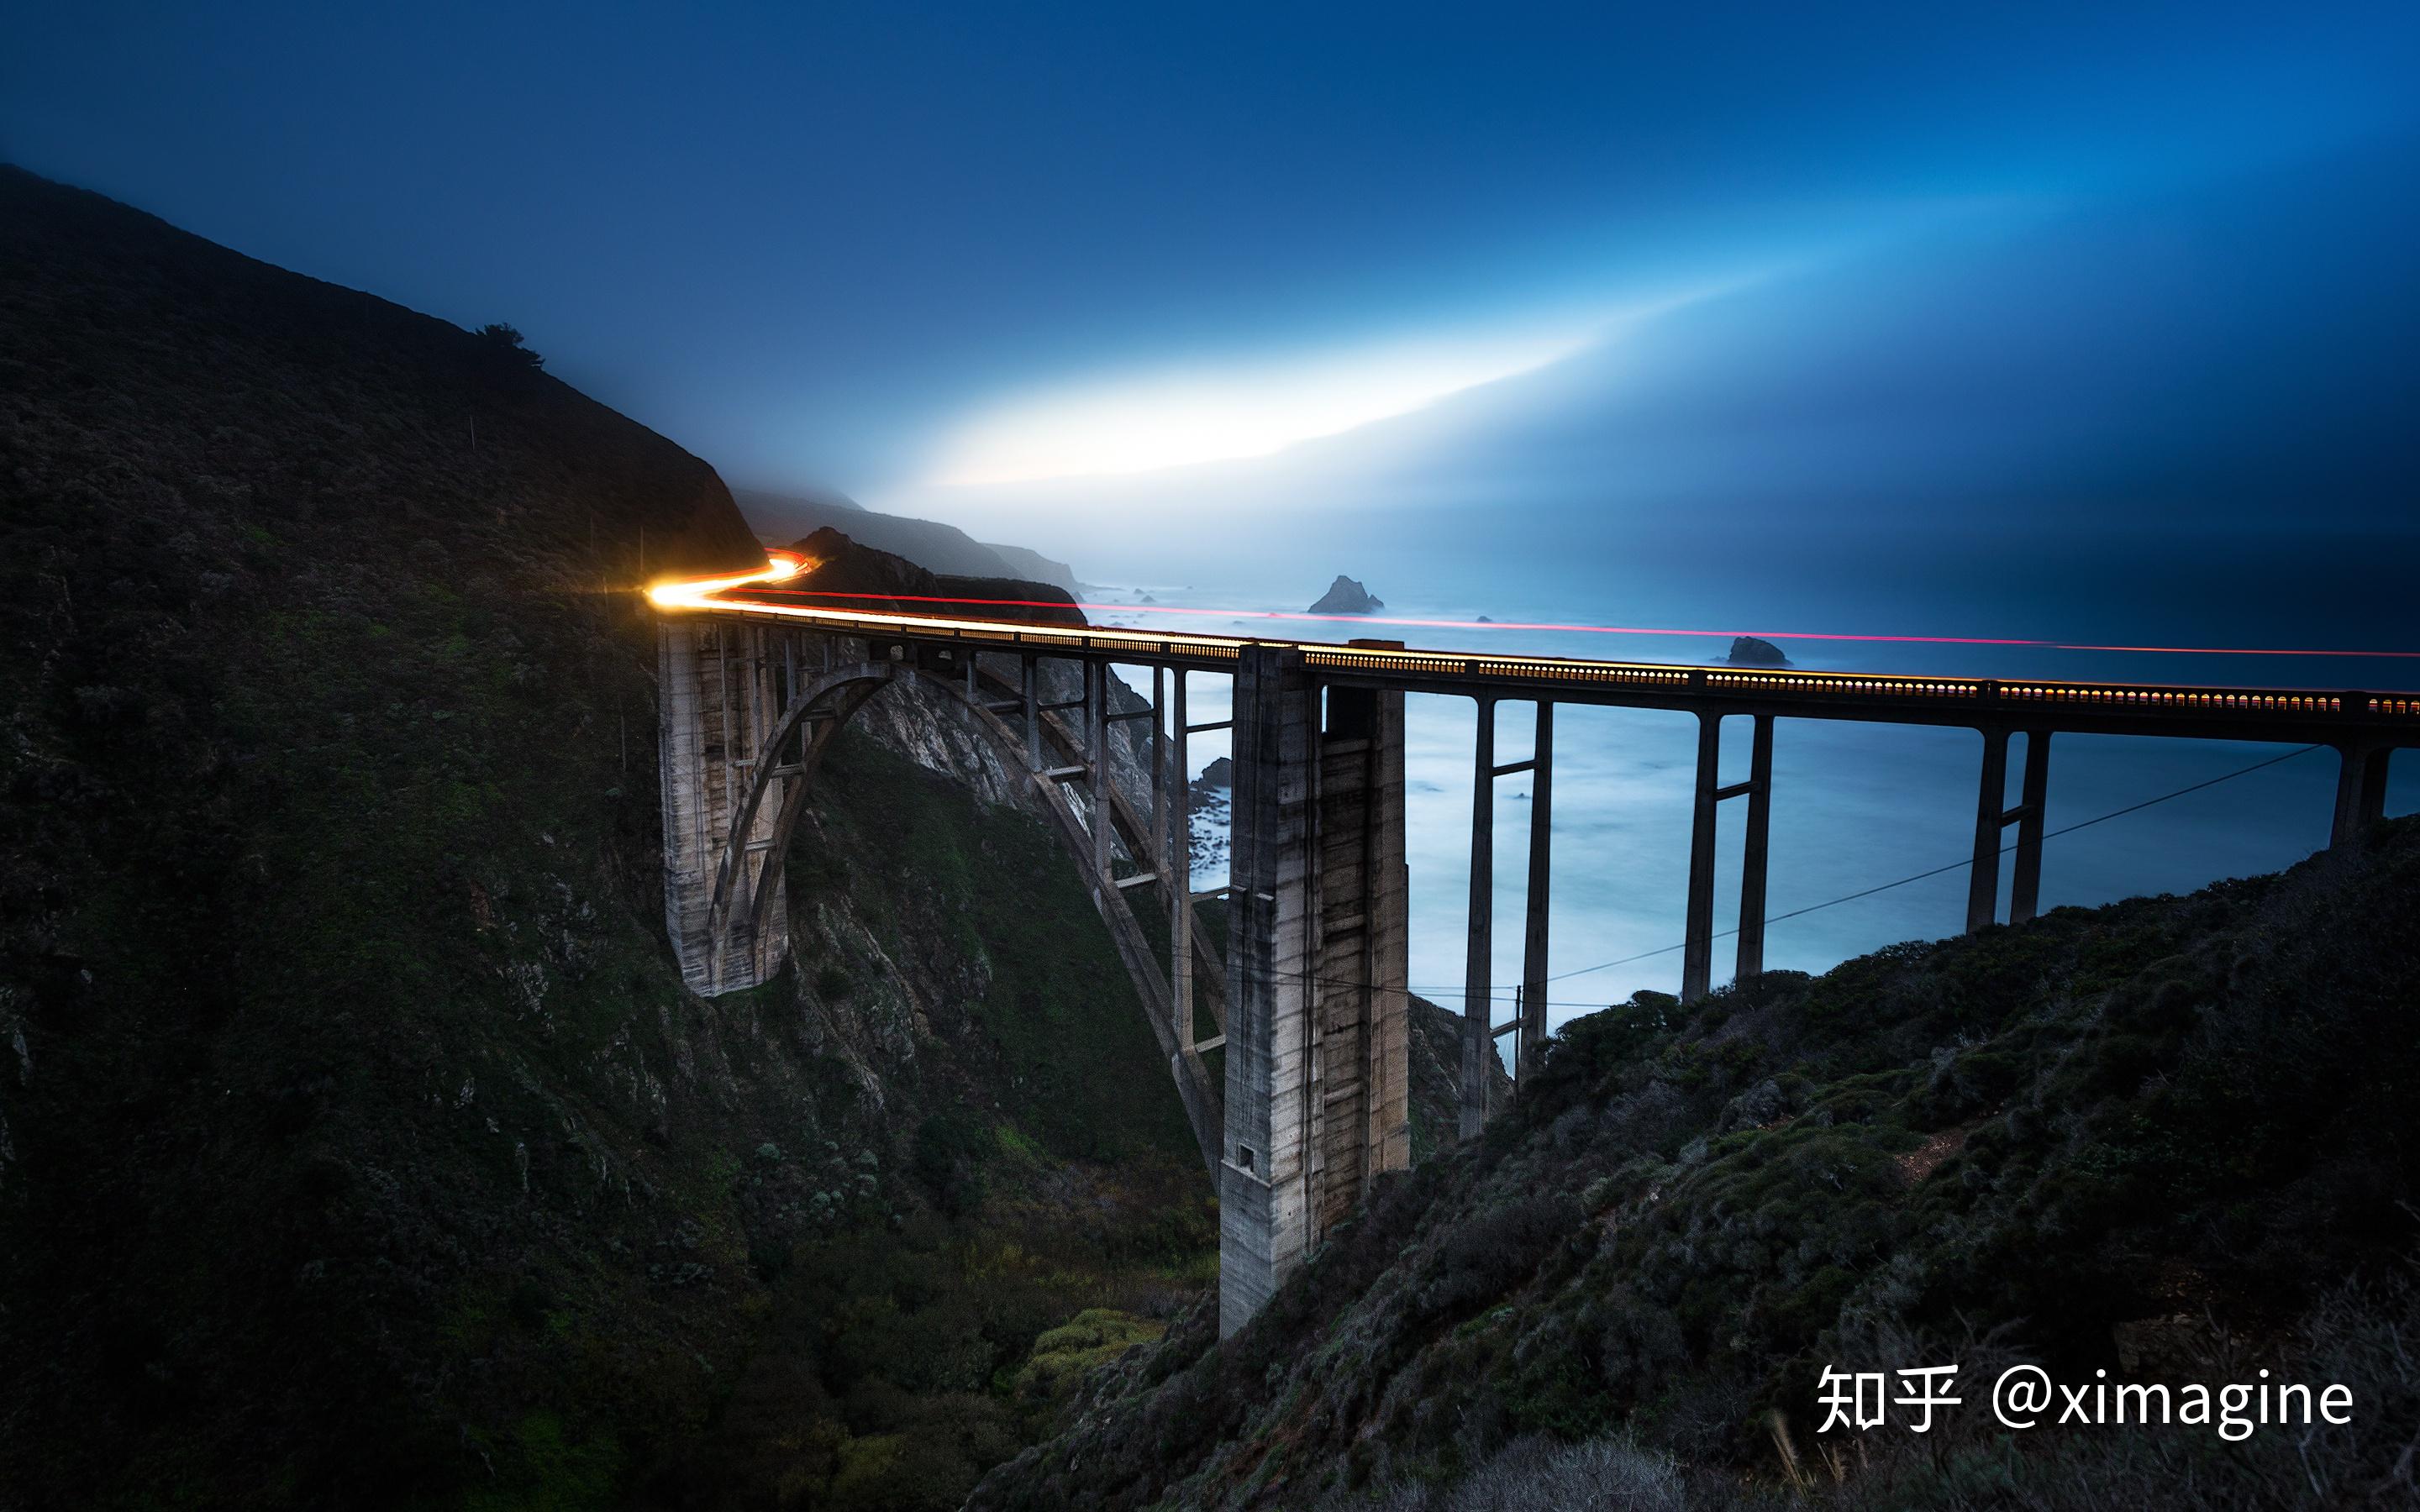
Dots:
(1853, 805)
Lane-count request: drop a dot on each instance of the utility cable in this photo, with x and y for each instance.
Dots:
(1495, 995)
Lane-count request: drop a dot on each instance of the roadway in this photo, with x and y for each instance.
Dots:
(2234, 713)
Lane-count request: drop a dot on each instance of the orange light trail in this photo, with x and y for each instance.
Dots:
(783, 565)
(698, 592)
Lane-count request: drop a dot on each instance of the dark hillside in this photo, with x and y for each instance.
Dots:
(928, 543)
(876, 579)
(329, 789)
(358, 1145)
(2176, 1139)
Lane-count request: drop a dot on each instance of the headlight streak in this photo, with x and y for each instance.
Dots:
(783, 566)
(698, 592)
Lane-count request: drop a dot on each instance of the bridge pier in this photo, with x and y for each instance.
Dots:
(2025, 884)
(1479, 950)
(2361, 792)
(1317, 964)
(1176, 854)
(1993, 816)
(720, 707)
(1697, 931)
(1528, 1023)
(1751, 961)
(1531, 1043)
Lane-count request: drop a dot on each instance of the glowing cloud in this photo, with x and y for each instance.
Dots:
(1149, 421)
(1145, 422)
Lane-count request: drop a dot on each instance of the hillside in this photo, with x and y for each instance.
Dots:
(2175, 1139)
(928, 543)
(358, 1143)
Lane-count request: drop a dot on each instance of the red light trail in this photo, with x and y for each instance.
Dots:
(1582, 629)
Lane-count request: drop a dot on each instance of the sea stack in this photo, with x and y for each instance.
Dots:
(1346, 596)
(1747, 650)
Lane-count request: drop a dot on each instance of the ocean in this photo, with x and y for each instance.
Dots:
(1855, 806)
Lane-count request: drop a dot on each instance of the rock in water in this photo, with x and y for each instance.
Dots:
(1747, 650)
(1345, 596)
(1219, 774)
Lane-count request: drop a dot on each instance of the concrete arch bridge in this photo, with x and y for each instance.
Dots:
(1309, 1001)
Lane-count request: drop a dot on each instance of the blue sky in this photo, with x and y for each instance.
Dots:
(2134, 267)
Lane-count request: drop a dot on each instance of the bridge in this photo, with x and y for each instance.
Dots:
(1307, 1000)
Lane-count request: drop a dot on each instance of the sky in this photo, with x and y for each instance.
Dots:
(1110, 278)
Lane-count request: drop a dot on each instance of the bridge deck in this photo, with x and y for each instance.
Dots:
(2073, 706)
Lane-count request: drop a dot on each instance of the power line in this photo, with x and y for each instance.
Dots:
(1494, 996)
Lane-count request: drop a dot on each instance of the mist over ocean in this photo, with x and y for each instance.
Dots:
(1854, 806)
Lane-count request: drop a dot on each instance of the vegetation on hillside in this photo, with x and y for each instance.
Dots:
(2173, 1139)
(358, 1143)
(926, 1312)
(326, 909)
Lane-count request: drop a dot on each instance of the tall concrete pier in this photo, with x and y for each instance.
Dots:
(1317, 953)
(720, 706)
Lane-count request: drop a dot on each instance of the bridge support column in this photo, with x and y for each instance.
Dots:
(2361, 793)
(1317, 962)
(719, 711)
(1159, 769)
(1697, 932)
(1479, 964)
(1991, 819)
(1752, 866)
(1176, 843)
(1991, 808)
(1029, 684)
(1097, 755)
(1533, 939)
(2025, 886)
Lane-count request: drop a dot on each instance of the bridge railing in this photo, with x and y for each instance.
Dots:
(1650, 678)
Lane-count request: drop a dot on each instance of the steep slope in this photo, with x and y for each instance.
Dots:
(1026, 563)
(2174, 1139)
(328, 783)
(358, 1145)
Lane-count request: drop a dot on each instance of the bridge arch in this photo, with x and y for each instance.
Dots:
(786, 716)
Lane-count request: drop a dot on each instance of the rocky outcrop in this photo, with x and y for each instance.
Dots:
(1023, 561)
(1749, 651)
(1347, 597)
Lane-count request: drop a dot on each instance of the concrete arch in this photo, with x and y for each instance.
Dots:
(748, 881)
(743, 892)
